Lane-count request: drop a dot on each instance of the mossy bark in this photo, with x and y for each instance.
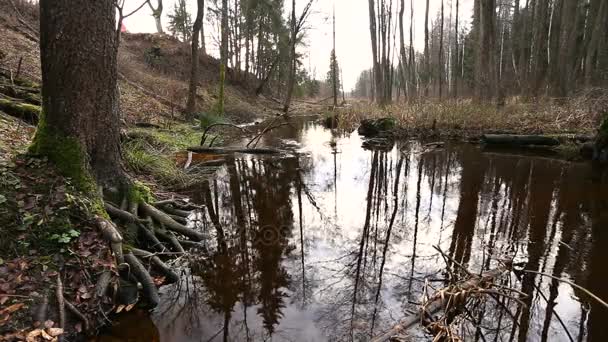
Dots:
(80, 128)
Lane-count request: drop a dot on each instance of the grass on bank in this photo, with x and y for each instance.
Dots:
(578, 115)
(152, 152)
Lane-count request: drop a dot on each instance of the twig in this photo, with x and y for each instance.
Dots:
(60, 302)
(453, 261)
(589, 293)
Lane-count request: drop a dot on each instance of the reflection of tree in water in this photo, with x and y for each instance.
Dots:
(244, 261)
(272, 203)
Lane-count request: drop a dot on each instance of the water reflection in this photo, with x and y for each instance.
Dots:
(336, 244)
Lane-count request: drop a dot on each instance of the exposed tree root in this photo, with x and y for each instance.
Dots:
(78, 314)
(142, 275)
(170, 223)
(159, 264)
(103, 283)
(171, 239)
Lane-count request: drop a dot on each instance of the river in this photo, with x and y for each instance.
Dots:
(337, 243)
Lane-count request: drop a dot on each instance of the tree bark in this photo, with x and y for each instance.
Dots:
(80, 130)
(194, 63)
(596, 36)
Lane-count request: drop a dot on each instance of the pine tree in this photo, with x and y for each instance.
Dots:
(180, 21)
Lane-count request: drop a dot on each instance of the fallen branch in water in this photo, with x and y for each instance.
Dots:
(230, 150)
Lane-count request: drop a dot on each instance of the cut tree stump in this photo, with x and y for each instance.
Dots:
(519, 140)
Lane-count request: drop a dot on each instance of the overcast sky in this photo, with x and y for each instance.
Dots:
(352, 31)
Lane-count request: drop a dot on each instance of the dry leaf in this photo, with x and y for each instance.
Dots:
(32, 335)
(120, 308)
(54, 332)
(46, 336)
(130, 307)
(11, 308)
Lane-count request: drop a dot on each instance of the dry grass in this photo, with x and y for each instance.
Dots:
(579, 115)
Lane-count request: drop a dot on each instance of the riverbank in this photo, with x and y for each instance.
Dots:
(465, 119)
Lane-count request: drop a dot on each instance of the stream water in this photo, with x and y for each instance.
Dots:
(335, 244)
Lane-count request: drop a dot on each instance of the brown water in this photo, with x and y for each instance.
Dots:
(336, 244)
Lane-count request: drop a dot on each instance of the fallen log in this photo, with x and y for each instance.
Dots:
(230, 150)
(438, 302)
(519, 140)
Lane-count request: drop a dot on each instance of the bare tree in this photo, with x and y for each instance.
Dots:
(296, 28)
(157, 13)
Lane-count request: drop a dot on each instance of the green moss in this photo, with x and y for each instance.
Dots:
(67, 155)
(139, 193)
(25, 111)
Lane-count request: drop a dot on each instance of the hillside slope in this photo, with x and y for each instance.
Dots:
(153, 73)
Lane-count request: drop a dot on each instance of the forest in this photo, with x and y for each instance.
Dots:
(256, 170)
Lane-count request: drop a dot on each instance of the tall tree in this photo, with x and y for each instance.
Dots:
(180, 21)
(194, 61)
(377, 92)
(80, 130)
(441, 67)
(455, 58)
(296, 29)
(157, 13)
(223, 56)
(334, 63)
(403, 58)
(293, 60)
(427, 61)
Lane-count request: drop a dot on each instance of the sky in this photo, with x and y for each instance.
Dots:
(353, 43)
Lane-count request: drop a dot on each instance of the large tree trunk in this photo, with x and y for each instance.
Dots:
(194, 62)
(80, 129)
(539, 55)
(485, 51)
